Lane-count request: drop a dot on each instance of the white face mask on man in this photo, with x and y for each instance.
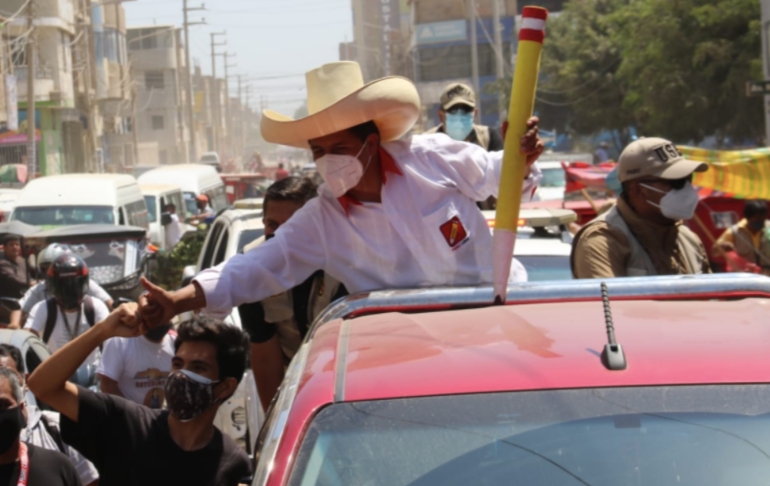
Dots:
(341, 172)
(677, 203)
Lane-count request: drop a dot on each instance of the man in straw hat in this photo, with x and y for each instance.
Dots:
(391, 214)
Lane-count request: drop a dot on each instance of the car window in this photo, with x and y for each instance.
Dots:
(177, 200)
(677, 435)
(137, 214)
(218, 198)
(121, 216)
(248, 236)
(189, 202)
(546, 268)
(222, 248)
(152, 214)
(65, 215)
(210, 246)
(553, 178)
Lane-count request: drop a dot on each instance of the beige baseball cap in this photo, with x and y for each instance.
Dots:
(457, 94)
(655, 157)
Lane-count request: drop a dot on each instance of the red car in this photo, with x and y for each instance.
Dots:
(437, 387)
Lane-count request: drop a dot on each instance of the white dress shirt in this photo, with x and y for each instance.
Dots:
(427, 231)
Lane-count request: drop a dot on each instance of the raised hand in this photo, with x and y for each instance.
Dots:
(156, 306)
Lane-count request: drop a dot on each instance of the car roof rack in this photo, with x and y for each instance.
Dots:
(679, 287)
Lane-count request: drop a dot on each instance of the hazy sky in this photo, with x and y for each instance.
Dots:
(270, 38)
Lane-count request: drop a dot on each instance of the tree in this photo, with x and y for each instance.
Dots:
(672, 68)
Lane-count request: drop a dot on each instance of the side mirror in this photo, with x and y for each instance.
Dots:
(165, 219)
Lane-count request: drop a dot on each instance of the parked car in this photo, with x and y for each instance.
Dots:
(543, 242)
(241, 415)
(194, 179)
(439, 386)
(73, 199)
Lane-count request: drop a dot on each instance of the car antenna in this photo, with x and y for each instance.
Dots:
(612, 357)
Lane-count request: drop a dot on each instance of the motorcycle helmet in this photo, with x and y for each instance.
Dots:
(50, 253)
(68, 280)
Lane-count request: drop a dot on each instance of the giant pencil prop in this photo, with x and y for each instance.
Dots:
(531, 36)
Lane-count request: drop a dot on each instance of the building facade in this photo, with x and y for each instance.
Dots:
(158, 72)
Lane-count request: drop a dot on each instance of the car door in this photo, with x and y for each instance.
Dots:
(210, 246)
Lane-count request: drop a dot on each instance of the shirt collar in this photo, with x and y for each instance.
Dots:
(387, 164)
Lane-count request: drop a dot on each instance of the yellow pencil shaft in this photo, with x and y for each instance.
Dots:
(520, 110)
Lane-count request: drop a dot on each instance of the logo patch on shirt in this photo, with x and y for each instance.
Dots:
(454, 232)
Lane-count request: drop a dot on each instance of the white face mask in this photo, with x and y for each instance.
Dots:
(341, 172)
(677, 203)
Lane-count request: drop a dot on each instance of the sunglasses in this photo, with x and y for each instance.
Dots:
(673, 183)
(465, 110)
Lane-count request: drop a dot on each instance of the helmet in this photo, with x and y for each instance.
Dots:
(49, 254)
(68, 280)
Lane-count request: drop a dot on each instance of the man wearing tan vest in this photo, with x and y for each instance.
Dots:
(643, 234)
(749, 237)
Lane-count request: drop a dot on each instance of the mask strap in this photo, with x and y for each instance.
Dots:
(652, 188)
(369, 161)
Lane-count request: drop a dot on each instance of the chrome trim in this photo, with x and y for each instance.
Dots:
(656, 288)
(286, 395)
(342, 362)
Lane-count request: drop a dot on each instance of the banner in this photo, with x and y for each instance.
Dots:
(743, 174)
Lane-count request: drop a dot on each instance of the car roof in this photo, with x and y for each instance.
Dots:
(156, 189)
(551, 341)
(75, 189)
(184, 175)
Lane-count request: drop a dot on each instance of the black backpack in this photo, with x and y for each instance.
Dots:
(53, 312)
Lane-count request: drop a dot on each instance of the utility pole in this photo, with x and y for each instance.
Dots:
(193, 153)
(216, 117)
(31, 147)
(228, 121)
(499, 66)
(475, 56)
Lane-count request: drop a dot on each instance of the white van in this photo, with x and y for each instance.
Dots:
(70, 199)
(156, 196)
(194, 179)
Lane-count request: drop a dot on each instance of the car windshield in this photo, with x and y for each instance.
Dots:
(248, 236)
(152, 214)
(656, 436)
(64, 215)
(553, 178)
(546, 268)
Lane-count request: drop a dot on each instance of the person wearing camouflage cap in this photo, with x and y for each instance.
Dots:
(643, 234)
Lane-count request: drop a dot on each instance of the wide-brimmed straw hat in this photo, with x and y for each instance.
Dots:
(338, 99)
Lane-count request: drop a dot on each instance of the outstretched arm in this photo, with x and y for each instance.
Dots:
(49, 381)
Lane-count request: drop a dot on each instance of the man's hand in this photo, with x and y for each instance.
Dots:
(124, 322)
(531, 144)
(156, 306)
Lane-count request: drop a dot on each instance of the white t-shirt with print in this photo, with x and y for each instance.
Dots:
(64, 333)
(140, 367)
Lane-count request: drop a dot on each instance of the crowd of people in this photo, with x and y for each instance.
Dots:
(392, 213)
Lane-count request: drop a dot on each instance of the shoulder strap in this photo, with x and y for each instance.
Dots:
(50, 318)
(88, 304)
(53, 431)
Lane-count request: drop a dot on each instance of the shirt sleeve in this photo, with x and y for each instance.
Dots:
(96, 290)
(34, 295)
(37, 317)
(273, 267)
(475, 171)
(111, 363)
(600, 252)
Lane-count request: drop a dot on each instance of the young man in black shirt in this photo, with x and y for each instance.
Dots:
(134, 445)
(22, 463)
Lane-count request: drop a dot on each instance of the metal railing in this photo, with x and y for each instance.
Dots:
(681, 287)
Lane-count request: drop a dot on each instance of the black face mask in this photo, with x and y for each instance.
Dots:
(11, 423)
(158, 333)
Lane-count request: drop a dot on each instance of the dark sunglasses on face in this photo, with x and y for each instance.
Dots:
(465, 110)
(673, 183)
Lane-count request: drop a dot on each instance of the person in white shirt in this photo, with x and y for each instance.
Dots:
(43, 427)
(40, 292)
(75, 311)
(391, 214)
(173, 229)
(137, 369)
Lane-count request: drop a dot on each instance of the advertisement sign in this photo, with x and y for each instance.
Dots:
(11, 102)
(390, 20)
(449, 31)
